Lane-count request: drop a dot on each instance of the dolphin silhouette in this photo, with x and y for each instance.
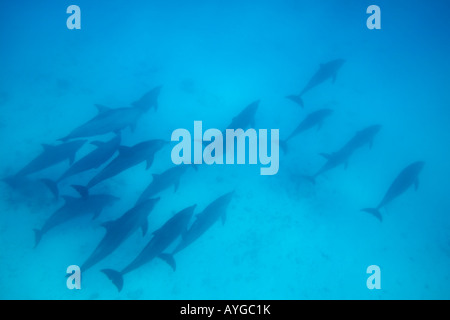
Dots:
(326, 71)
(406, 178)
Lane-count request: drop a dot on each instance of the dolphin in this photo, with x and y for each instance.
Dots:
(326, 71)
(204, 220)
(75, 207)
(163, 181)
(148, 100)
(313, 119)
(117, 231)
(342, 156)
(93, 160)
(334, 159)
(51, 156)
(128, 157)
(162, 238)
(363, 137)
(407, 177)
(246, 118)
(113, 120)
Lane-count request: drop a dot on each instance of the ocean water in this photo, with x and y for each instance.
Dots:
(284, 238)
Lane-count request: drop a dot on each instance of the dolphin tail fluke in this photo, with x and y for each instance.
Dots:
(115, 276)
(52, 186)
(168, 258)
(283, 146)
(297, 99)
(37, 236)
(82, 190)
(375, 211)
(311, 179)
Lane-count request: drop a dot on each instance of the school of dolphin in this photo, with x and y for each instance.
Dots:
(110, 158)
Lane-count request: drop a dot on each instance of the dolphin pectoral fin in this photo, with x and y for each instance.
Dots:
(97, 143)
(124, 150)
(283, 146)
(319, 126)
(96, 214)
(37, 236)
(176, 185)
(115, 276)
(184, 232)
(101, 108)
(71, 159)
(297, 99)
(82, 190)
(311, 179)
(46, 147)
(224, 218)
(168, 258)
(133, 126)
(149, 162)
(375, 211)
(11, 181)
(325, 155)
(52, 186)
(107, 225)
(144, 227)
(68, 199)
(416, 184)
(155, 175)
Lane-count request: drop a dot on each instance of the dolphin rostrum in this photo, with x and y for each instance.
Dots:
(326, 71)
(117, 231)
(162, 238)
(406, 178)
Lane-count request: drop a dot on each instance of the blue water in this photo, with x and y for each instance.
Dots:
(284, 238)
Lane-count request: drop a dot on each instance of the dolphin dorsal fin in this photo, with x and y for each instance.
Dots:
(102, 108)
